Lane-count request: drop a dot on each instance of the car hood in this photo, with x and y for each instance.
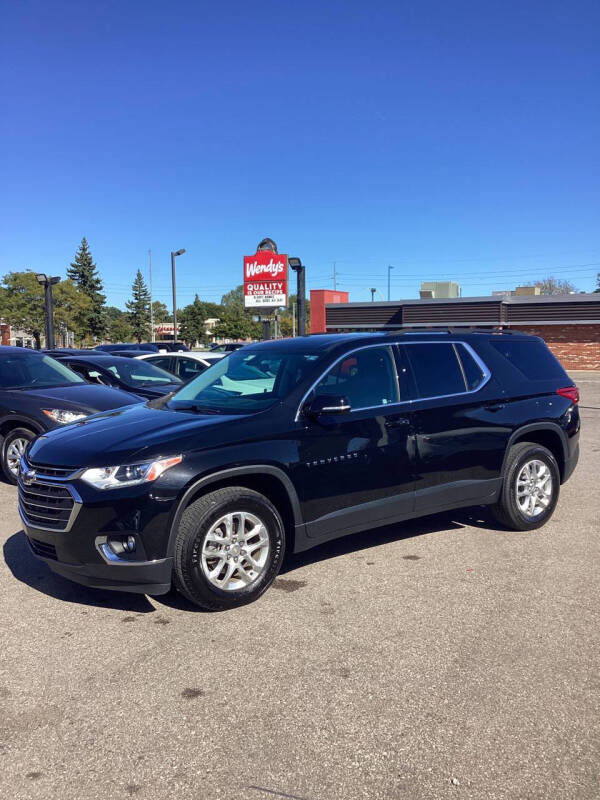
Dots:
(83, 397)
(137, 432)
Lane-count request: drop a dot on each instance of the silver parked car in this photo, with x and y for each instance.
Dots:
(185, 366)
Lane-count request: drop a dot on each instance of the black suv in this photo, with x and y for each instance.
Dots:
(37, 394)
(288, 444)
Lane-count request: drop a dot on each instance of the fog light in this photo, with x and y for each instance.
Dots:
(122, 544)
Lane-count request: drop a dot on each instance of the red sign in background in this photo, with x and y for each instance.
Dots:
(265, 279)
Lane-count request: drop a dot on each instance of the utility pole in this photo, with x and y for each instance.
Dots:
(150, 280)
(173, 257)
(372, 294)
(334, 277)
(390, 268)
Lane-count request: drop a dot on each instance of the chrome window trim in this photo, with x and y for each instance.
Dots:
(341, 358)
(480, 363)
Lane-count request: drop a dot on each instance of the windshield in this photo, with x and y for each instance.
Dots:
(34, 371)
(245, 382)
(135, 373)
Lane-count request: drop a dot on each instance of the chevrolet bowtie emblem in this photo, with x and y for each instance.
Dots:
(28, 477)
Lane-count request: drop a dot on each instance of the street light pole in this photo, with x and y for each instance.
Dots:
(300, 270)
(151, 309)
(372, 294)
(390, 268)
(48, 283)
(174, 254)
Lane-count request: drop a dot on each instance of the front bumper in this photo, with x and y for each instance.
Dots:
(143, 577)
(79, 550)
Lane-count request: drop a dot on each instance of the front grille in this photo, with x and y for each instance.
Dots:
(45, 505)
(47, 470)
(42, 549)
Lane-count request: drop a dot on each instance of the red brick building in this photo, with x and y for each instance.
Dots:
(570, 324)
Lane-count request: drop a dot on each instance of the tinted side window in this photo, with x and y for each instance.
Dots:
(436, 369)
(473, 373)
(164, 362)
(189, 368)
(366, 377)
(531, 358)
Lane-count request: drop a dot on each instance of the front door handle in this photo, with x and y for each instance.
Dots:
(397, 422)
(495, 407)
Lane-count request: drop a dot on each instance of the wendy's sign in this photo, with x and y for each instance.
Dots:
(265, 293)
(265, 279)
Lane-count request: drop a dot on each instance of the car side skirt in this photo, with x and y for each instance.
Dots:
(433, 500)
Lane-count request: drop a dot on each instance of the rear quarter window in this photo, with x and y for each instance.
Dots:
(532, 358)
(474, 375)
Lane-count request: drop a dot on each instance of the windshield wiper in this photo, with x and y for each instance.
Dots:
(195, 407)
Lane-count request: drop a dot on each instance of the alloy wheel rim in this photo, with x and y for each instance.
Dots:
(14, 452)
(534, 487)
(235, 551)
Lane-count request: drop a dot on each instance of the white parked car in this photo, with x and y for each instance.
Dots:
(186, 366)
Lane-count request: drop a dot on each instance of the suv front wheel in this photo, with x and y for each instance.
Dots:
(530, 488)
(229, 548)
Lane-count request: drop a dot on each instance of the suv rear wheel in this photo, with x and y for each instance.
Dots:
(14, 445)
(530, 488)
(229, 548)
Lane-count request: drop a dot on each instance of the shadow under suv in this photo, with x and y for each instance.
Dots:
(289, 444)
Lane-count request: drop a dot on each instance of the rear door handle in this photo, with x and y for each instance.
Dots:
(495, 407)
(397, 422)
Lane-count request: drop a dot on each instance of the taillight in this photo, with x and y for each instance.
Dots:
(570, 392)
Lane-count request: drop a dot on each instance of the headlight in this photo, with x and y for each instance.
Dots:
(130, 475)
(62, 415)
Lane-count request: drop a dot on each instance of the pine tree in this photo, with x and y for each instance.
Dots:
(139, 309)
(192, 322)
(84, 274)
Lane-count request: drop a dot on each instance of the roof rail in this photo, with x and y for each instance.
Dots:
(496, 329)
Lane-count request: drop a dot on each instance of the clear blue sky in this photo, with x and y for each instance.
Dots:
(454, 140)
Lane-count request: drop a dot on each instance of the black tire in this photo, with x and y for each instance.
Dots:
(506, 509)
(194, 526)
(9, 439)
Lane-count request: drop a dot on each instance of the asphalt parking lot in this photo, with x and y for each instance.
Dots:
(440, 658)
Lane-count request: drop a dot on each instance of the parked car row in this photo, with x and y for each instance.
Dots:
(39, 391)
(284, 445)
(130, 374)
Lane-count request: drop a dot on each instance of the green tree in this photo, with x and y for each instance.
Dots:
(139, 308)
(234, 299)
(84, 274)
(119, 329)
(160, 312)
(71, 309)
(235, 321)
(235, 325)
(597, 289)
(286, 317)
(192, 322)
(22, 305)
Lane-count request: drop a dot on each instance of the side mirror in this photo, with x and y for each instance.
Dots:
(328, 404)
